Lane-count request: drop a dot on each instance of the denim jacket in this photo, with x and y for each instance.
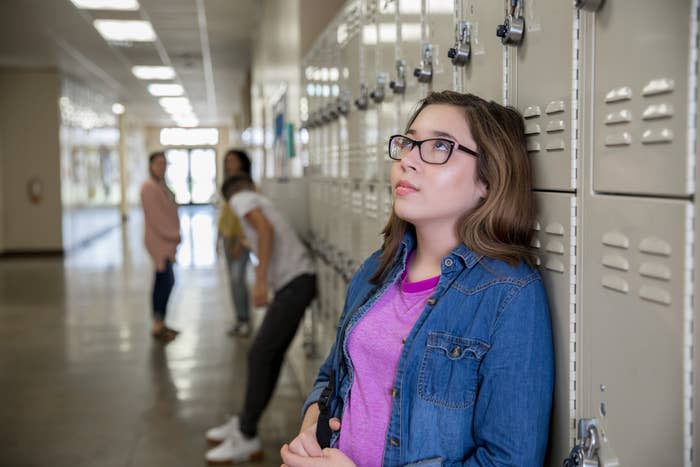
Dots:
(474, 382)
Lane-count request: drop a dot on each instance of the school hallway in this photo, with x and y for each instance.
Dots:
(82, 382)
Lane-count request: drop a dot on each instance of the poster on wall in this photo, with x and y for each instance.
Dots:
(283, 140)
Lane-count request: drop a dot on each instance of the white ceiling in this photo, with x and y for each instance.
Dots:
(208, 42)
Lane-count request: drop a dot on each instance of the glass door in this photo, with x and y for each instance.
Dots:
(191, 174)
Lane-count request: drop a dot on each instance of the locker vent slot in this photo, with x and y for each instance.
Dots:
(655, 271)
(616, 239)
(655, 246)
(532, 111)
(555, 246)
(555, 266)
(555, 145)
(616, 262)
(554, 107)
(622, 116)
(623, 93)
(555, 125)
(615, 283)
(655, 112)
(658, 86)
(664, 135)
(532, 129)
(533, 146)
(655, 294)
(618, 139)
(555, 228)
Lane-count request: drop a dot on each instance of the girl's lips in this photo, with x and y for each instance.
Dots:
(404, 188)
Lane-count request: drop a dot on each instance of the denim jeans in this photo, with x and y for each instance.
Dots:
(162, 286)
(239, 290)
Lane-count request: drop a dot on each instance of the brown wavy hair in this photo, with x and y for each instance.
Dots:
(500, 226)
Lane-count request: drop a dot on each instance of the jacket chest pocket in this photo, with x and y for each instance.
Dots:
(449, 370)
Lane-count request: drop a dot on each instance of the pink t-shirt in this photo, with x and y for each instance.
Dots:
(375, 346)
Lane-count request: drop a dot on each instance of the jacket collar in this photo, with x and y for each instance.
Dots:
(461, 251)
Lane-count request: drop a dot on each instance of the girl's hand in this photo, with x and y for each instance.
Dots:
(329, 457)
(306, 444)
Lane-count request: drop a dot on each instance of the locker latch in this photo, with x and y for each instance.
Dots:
(332, 111)
(399, 84)
(462, 49)
(343, 103)
(592, 449)
(378, 94)
(363, 101)
(424, 73)
(588, 5)
(513, 27)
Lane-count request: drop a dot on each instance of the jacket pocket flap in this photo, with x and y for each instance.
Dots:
(456, 347)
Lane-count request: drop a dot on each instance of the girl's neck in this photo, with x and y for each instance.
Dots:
(432, 244)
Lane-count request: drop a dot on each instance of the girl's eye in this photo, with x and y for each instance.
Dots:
(440, 145)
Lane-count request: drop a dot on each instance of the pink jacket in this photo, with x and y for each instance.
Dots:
(161, 222)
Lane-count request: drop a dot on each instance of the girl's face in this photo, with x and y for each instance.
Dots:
(232, 164)
(158, 167)
(437, 195)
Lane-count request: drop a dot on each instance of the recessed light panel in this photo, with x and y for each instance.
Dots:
(153, 72)
(165, 89)
(115, 30)
(106, 4)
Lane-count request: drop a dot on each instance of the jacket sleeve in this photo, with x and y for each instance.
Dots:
(513, 407)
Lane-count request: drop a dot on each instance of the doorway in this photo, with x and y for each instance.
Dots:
(191, 174)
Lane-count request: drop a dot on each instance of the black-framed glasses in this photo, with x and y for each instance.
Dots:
(436, 151)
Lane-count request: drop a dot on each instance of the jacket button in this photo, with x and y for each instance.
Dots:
(431, 301)
(456, 352)
(448, 262)
(394, 442)
(394, 392)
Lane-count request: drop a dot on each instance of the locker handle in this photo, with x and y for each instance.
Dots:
(399, 84)
(513, 28)
(460, 53)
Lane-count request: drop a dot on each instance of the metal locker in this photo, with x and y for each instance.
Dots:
(371, 238)
(440, 24)
(540, 86)
(640, 104)
(344, 239)
(370, 111)
(382, 96)
(349, 39)
(407, 89)
(482, 73)
(636, 265)
(386, 200)
(357, 220)
(554, 246)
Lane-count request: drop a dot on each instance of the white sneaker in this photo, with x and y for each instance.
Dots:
(221, 432)
(236, 449)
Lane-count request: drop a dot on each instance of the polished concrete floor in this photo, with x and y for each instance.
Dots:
(83, 384)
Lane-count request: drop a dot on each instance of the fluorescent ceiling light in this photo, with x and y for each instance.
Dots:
(175, 104)
(117, 108)
(125, 31)
(153, 72)
(165, 89)
(106, 4)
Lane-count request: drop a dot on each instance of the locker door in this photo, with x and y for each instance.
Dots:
(640, 102)
(385, 99)
(539, 71)
(357, 221)
(483, 74)
(370, 230)
(410, 38)
(635, 309)
(440, 25)
(370, 114)
(553, 246)
(349, 38)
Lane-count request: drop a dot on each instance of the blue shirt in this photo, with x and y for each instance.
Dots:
(474, 382)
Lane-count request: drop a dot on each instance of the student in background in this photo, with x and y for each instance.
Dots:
(234, 247)
(286, 270)
(161, 236)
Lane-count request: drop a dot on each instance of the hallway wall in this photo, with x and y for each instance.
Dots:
(29, 147)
